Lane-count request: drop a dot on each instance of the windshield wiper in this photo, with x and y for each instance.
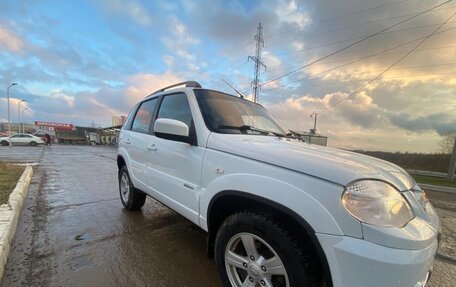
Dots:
(294, 135)
(250, 128)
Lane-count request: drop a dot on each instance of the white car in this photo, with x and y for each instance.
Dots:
(21, 139)
(278, 211)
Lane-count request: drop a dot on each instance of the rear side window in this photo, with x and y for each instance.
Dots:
(129, 120)
(143, 117)
(176, 107)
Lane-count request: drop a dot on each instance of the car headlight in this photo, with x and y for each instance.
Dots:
(377, 203)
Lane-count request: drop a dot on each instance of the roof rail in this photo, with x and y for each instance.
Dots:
(188, 84)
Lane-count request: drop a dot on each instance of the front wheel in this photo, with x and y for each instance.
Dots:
(132, 198)
(33, 143)
(253, 250)
(4, 143)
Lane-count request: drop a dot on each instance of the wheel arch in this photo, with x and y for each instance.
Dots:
(120, 161)
(228, 202)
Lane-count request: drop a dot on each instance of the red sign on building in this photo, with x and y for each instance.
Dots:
(57, 126)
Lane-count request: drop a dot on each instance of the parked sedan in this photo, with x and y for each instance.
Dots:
(21, 139)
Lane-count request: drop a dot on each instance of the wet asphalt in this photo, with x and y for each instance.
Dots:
(73, 230)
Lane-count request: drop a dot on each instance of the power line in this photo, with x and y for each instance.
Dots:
(280, 43)
(334, 43)
(387, 69)
(355, 43)
(382, 53)
(340, 82)
(389, 78)
(230, 55)
(354, 38)
(379, 53)
(338, 17)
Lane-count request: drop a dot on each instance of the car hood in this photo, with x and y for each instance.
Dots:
(331, 164)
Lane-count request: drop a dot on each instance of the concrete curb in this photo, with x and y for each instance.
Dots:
(9, 216)
(430, 187)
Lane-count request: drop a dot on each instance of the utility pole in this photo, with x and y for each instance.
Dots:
(314, 116)
(257, 60)
(452, 165)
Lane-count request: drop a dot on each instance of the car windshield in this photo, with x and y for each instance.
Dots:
(225, 113)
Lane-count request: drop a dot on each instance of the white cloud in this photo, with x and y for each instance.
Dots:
(141, 85)
(169, 60)
(10, 41)
(130, 8)
(288, 11)
(181, 40)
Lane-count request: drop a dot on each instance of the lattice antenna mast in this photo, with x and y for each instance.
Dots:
(258, 62)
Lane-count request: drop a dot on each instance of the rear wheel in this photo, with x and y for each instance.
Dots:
(253, 250)
(132, 198)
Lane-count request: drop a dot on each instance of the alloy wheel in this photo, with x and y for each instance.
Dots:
(251, 262)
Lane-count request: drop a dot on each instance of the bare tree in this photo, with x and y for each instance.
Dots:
(447, 142)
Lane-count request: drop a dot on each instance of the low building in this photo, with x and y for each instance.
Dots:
(24, 127)
(312, 138)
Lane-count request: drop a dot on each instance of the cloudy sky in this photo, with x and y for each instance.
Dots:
(85, 61)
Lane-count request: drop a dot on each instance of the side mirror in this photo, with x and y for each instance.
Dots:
(172, 130)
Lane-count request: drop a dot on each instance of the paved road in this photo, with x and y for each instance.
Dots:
(21, 154)
(74, 232)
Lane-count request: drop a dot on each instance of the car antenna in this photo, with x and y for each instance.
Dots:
(239, 93)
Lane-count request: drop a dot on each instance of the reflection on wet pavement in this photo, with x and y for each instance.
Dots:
(74, 231)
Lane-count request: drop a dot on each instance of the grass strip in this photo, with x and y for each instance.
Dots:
(434, 180)
(9, 176)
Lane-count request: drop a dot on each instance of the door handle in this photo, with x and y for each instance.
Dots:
(152, 147)
(127, 141)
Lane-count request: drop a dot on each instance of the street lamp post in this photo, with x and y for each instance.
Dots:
(9, 122)
(7, 95)
(19, 114)
(22, 118)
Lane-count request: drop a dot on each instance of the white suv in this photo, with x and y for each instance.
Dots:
(278, 212)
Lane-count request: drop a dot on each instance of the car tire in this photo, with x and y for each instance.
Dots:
(132, 198)
(268, 243)
(33, 143)
(4, 143)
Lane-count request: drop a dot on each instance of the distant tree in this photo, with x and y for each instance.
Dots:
(447, 142)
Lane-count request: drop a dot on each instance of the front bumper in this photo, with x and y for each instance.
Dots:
(356, 262)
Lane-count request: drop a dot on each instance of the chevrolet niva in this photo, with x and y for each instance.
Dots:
(277, 211)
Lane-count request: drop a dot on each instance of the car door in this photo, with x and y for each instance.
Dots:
(17, 139)
(135, 141)
(174, 171)
(27, 139)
